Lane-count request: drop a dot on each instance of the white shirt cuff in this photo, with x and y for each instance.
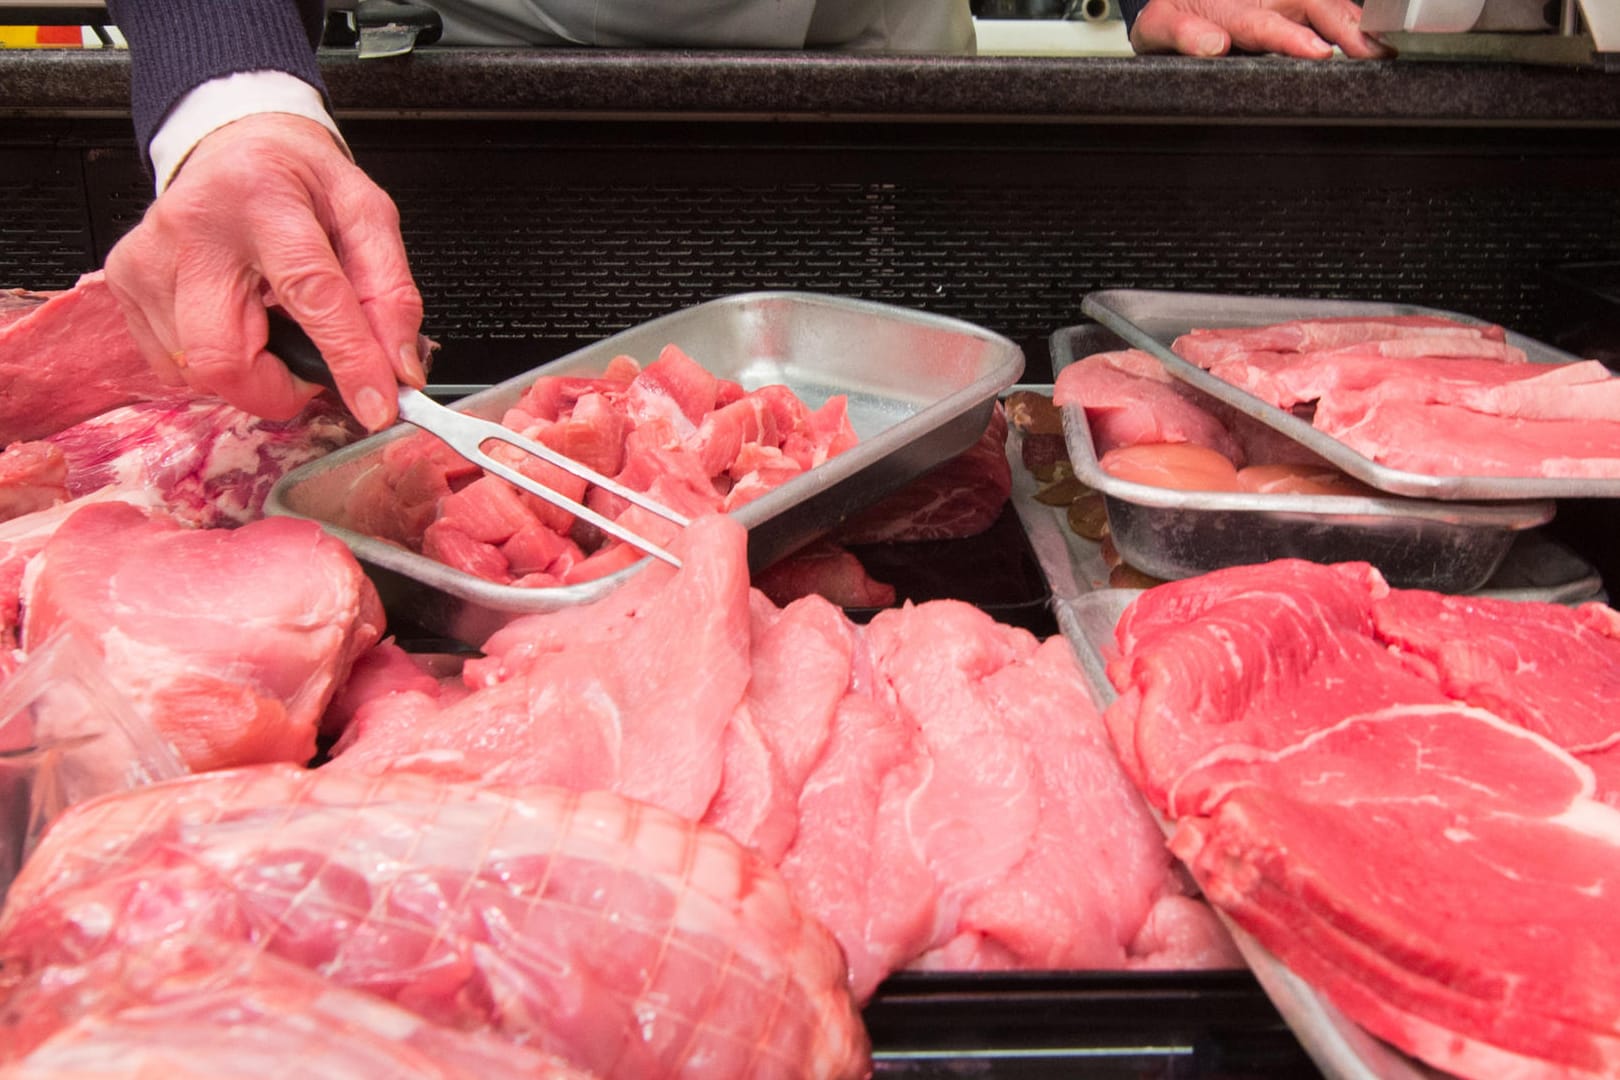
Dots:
(213, 104)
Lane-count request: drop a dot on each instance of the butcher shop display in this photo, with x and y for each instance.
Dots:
(681, 829)
(692, 821)
(1408, 798)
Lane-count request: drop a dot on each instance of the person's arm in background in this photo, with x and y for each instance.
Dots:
(1304, 28)
(259, 203)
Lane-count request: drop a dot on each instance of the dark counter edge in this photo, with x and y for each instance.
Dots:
(823, 86)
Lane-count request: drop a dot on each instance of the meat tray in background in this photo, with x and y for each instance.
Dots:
(1168, 533)
(995, 571)
(920, 389)
(1151, 320)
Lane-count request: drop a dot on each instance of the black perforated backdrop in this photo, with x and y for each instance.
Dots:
(531, 238)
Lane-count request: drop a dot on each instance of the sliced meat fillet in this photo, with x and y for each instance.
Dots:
(1551, 669)
(1242, 660)
(68, 359)
(1450, 440)
(598, 712)
(1429, 857)
(1206, 346)
(1130, 399)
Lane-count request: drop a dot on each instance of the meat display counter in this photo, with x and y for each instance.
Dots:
(995, 190)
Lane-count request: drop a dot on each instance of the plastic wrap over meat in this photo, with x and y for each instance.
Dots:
(188, 1008)
(616, 936)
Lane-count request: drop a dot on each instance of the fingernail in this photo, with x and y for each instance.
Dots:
(1209, 44)
(415, 373)
(370, 408)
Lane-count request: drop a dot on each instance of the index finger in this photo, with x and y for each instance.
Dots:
(371, 249)
(310, 284)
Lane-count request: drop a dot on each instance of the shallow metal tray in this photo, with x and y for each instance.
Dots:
(920, 387)
(1446, 546)
(1151, 320)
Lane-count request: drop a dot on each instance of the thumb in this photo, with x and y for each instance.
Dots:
(1165, 27)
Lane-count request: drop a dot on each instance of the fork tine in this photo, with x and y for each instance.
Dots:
(467, 435)
(470, 428)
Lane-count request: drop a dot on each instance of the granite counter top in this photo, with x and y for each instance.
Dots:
(752, 86)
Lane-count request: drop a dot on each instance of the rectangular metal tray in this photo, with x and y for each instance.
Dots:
(1152, 319)
(1446, 546)
(920, 388)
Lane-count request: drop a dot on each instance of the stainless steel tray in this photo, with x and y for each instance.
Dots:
(1151, 320)
(1341, 1048)
(920, 388)
(1446, 546)
(1542, 569)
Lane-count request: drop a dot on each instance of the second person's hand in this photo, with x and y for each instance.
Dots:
(1303, 28)
(270, 210)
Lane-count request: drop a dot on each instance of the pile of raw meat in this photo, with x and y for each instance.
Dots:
(679, 831)
(1150, 428)
(1425, 394)
(1412, 799)
(696, 443)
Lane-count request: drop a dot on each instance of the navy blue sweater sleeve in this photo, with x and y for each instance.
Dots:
(1131, 9)
(176, 44)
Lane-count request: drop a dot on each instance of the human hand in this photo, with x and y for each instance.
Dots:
(1304, 28)
(269, 210)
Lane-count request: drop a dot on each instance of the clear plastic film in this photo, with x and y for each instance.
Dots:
(67, 735)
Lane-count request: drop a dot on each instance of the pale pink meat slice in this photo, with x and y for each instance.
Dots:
(226, 683)
(1206, 346)
(68, 359)
(632, 694)
(1289, 379)
(1056, 907)
(1451, 440)
(1130, 399)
